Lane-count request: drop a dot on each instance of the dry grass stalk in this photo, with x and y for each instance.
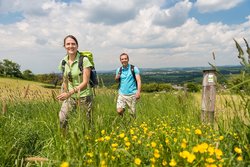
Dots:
(26, 91)
(53, 95)
(217, 145)
(36, 159)
(4, 108)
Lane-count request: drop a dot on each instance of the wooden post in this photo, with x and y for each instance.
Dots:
(208, 96)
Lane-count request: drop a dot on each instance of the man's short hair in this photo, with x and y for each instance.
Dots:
(124, 54)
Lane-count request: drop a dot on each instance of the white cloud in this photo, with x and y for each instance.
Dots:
(152, 36)
(206, 6)
(174, 16)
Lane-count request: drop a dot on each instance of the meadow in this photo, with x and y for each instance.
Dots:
(167, 131)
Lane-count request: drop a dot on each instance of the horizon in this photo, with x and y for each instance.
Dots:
(161, 68)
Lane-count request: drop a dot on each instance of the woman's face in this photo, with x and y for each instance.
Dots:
(70, 46)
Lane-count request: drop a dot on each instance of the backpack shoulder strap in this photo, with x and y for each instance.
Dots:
(120, 71)
(133, 71)
(63, 65)
(80, 62)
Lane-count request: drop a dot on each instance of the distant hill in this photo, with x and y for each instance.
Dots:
(173, 75)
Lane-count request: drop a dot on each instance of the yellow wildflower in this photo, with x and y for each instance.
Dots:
(191, 158)
(221, 137)
(239, 158)
(128, 144)
(156, 153)
(198, 132)
(183, 145)
(145, 130)
(64, 164)
(103, 163)
(114, 145)
(210, 165)
(137, 161)
(132, 131)
(210, 160)
(172, 162)
(195, 149)
(167, 141)
(91, 154)
(184, 154)
(100, 139)
(152, 160)
(203, 147)
(211, 150)
(103, 132)
(175, 140)
(107, 138)
(238, 150)
(218, 153)
(122, 135)
(153, 144)
(134, 137)
(89, 161)
(125, 139)
(164, 163)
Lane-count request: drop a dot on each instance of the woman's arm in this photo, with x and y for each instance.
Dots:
(83, 85)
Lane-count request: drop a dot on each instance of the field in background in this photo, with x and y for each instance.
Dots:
(18, 89)
(167, 131)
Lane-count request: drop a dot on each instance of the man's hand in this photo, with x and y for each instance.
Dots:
(137, 95)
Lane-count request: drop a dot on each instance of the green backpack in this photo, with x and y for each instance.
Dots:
(89, 55)
(93, 81)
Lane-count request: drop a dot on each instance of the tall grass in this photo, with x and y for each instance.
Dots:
(167, 131)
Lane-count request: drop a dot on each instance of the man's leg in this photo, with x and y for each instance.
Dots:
(131, 102)
(120, 105)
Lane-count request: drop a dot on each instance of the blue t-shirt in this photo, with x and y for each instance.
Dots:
(127, 82)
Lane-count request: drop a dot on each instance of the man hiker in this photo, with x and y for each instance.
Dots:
(129, 80)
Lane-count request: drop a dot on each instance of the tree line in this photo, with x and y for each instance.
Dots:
(9, 68)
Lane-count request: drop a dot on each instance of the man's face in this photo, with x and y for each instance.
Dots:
(124, 60)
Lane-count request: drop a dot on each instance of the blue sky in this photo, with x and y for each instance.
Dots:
(155, 33)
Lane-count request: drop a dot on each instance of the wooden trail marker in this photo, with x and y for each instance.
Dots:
(208, 96)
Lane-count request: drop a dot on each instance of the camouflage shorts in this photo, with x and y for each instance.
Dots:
(129, 100)
(71, 104)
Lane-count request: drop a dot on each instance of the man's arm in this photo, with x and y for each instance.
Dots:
(138, 80)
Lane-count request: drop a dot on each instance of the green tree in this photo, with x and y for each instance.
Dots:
(11, 68)
(1, 68)
(27, 74)
(192, 87)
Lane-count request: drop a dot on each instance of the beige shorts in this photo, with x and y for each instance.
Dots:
(129, 100)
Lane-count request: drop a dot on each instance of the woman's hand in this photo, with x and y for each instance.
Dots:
(63, 96)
